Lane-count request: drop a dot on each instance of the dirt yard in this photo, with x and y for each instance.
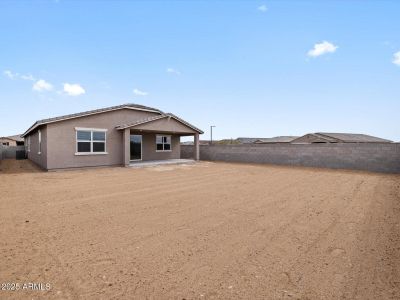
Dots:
(203, 231)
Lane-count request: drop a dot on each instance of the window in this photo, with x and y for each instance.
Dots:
(40, 141)
(90, 141)
(163, 143)
(28, 143)
(6, 144)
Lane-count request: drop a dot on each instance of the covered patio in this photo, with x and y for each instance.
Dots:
(156, 139)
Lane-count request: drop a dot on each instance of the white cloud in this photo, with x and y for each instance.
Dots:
(42, 85)
(396, 58)
(173, 71)
(13, 76)
(262, 8)
(28, 77)
(322, 48)
(10, 74)
(73, 89)
(138, 92)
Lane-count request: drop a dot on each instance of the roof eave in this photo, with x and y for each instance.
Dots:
(186, 123)
(169, 115)
(36, 124)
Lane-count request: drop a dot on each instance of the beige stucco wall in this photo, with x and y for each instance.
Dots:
(33, 154)
(167, 125)
(149, 147)
(9, 141)
(62, 139)
(59, 140)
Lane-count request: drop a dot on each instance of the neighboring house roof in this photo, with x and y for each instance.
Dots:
(354, 137)
(16, 138)
(325, 137)
(246, 140)
(91, 112)
(152, 119)
(310, 138)
(277, 139)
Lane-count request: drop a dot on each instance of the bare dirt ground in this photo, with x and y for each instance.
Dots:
(204, 231)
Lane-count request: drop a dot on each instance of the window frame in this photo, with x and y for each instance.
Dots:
(170, 144)
(91, 141)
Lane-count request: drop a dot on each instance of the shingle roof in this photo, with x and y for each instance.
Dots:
(91, 112)
(317, 138)
(354, 137)
(151, 119)
(326, 138)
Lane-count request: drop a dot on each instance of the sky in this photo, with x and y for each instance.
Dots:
(250, 68)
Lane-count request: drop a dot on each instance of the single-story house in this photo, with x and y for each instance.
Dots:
(13, 140)
(118, 135)
(325, 137)
(276, 140)
(247, 140)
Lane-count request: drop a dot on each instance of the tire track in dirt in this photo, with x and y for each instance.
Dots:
(275, 235)
(233, 244)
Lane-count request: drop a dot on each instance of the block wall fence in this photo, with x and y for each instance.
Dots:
(9, 152)
(356, 156)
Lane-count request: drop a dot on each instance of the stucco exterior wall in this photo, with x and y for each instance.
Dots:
(149, 148)
(167, 125)
(9, 141)
(358, 156)
(62, 139)
(59, 140)
(33, 154)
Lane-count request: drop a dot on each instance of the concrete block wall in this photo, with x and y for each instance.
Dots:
(10, 152)
(363, 156)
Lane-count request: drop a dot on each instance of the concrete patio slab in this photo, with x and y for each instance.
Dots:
(155, 163)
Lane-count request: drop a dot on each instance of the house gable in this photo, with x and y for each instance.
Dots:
(313, 138)
(163, 123)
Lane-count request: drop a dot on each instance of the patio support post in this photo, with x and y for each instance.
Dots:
(196, 147)
(126, 146)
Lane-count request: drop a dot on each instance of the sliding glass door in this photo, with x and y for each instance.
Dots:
(136, 147)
